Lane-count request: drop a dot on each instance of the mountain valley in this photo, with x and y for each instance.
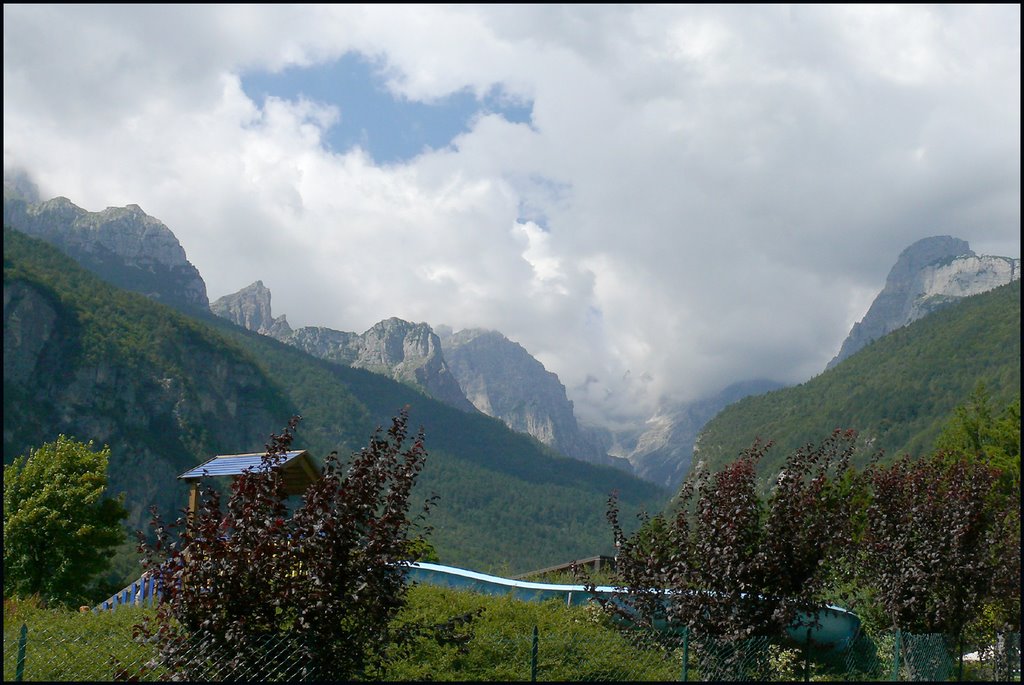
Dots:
(122, 346)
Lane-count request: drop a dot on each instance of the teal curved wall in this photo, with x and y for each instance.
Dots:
(837, 627)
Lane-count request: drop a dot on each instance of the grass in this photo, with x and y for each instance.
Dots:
(72, 646)
(484, 638)
(573, 643)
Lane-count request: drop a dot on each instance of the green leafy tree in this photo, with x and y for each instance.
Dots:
(60, 529)
(980, 430)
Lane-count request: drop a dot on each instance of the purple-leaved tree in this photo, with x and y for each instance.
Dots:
(310, 592)
(940, 542)
(738, 564)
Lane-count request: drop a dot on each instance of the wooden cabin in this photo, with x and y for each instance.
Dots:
(297, 466)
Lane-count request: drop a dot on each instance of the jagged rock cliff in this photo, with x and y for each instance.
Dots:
(250, 309)
(930, 274)
(473, 370)
(503, 380)
(122, 245)
(407, 352)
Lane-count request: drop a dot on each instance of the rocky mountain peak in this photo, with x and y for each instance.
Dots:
(505, 381)
(250, 308)
(930, 274)
(928, 251)
(122, 245)
(398, 345)
(59, 206)
(405, 351)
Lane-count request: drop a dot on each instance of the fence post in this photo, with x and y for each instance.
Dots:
(686, 654)
(807, 658)
(897, 647)
(1007, 638)
(533, 656)
(960, 648)
(19, 671)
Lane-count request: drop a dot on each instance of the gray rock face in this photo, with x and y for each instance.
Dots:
(336, 346)
(411, 352)
(29, 323)
(503, 380)
(122, 245)
(930, 274)
(407, 352)
(250, 309)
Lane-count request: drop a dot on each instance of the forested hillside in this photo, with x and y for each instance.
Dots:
(167, 391)
(897, 392)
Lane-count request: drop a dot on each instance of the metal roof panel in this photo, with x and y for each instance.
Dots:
(233, 464)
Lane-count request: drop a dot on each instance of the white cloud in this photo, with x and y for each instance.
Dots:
(704, 195)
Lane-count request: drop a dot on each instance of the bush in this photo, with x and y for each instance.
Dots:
(739, 565)
(321, 584)
(491, 639)
(939, 543)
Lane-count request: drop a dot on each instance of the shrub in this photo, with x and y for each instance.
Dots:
(317, 588)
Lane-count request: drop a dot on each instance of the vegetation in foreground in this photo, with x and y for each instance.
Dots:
(65, 645)
(60, 528)
(471, 638)
(322, 583)
(480, 638)
(927, 545)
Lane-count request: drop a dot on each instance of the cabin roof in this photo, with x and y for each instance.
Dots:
(297, 466)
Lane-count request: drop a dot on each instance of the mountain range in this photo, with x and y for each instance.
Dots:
(166, 389)
(501, 379)
(128, 247)
(471, 370)
(475, 370)
(482, 370)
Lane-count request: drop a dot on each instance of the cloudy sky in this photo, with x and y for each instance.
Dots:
(656, 201)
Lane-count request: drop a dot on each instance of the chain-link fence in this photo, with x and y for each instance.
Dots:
(42, 654)
(47, 655)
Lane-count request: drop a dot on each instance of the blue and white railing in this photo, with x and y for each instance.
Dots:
(143, 592)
